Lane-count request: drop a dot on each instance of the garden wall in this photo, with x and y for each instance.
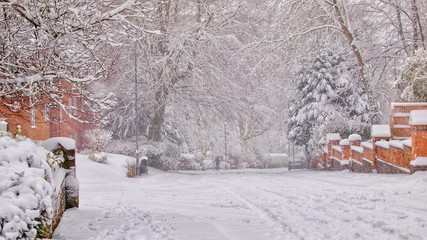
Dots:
(381, 153)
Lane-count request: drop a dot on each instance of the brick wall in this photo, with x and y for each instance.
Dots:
(385, 155)
(399, 118)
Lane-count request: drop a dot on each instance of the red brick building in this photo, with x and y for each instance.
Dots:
(48, 119)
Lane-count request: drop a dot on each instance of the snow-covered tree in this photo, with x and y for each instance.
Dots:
(44, 42)
(325, 91)
(413, 82)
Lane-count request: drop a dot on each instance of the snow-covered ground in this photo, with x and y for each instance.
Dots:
(244, 204)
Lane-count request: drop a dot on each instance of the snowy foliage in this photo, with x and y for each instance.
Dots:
(162, 155)
(25, 189)
(97, 139)
(413, 80)
(44, 42)
(326, 92)
(188, 162)
(338, 124)
(54, 161)
(100, 157)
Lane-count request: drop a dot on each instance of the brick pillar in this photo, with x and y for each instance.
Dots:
(378, 133)
(355, 140)
(345, 148)
(418, 122)
(333, 140)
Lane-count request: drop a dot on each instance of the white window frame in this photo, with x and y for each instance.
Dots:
(33, 117)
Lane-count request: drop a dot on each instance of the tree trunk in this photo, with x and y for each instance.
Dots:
(350, 39)
(154, 132)
(400, 28)
(417, 30)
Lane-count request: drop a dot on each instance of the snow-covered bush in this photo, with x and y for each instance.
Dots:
(25, 189)
(162, 155)
(413, 81)
(100, 157)
(188, 162)
(97, 139)
(124, 147)
(207, 164)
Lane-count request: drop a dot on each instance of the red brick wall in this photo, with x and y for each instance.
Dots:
(419, 141)
(383, 153)
(396, 157)
(396, 118)
(336, 154)
(23, 118)
(357, 156)
(345, 152)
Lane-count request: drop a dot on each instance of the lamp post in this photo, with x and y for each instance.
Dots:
(136, 111)
(225, 140)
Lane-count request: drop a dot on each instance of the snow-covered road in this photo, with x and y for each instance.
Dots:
(244, 204)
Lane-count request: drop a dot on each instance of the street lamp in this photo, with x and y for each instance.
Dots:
(225, 140)
(136, 111)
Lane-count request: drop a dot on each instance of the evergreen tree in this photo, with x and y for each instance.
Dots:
(325, 91)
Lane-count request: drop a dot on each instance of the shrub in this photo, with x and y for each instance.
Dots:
(98, 157)
(131, 169)
(97, 139)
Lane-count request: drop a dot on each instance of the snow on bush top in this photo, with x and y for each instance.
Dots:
(381, 131)
(354, 137)
(333, 136)
(52, 144)
(418, 117)
(25, 188)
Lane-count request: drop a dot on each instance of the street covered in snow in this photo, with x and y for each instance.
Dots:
(244, 204)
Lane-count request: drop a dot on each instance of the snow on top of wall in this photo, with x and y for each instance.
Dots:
(344, 142)
(396, 144)
(337, 148)
(354, 137)
(407, 142)
(410, 104)
(383, 144)
(52, 144)
(419, 161)
(367, 144)
(401, 126)
(381, 131)
(398, 114)
(333, 136)
(418, 117)
(357, 149)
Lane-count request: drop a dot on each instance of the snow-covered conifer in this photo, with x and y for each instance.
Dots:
(326, 91)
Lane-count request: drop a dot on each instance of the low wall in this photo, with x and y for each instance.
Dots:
(66, 188)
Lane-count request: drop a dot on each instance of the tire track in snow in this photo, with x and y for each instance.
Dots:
(265, 214)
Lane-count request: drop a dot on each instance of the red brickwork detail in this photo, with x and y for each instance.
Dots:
(345, 152)
(400, 116)
(357, 156)
(419, 141)
(383, 153)
(337, 154)
(396, 157)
